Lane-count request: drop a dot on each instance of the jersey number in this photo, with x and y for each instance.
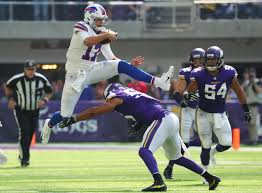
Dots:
(136, 94)
(210, 91)
(91, 52)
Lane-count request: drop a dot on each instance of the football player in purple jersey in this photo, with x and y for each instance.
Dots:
(162, 130)
(187, 111)
(213, 82)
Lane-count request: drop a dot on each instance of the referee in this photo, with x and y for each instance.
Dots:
(27, 93)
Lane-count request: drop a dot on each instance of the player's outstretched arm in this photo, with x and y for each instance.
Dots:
(242, 99)
(108, 106)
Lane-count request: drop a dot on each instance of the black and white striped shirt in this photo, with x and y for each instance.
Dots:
(27, 92)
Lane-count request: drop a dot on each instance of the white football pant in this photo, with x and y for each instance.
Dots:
(164, 133)
(187, 122)
(217, 122)
(75, 82)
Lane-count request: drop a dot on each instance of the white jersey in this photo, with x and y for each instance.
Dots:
(80, 56)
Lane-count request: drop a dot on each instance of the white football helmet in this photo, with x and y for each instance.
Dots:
(93, 12)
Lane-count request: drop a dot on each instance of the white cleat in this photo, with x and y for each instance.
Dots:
(164, 82)
(3, 158)
(46, 131)
(212, 160)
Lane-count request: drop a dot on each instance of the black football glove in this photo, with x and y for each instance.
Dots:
(183, 104)
(247, 113)
(193, 96)
(67, 121)
(133, 128)
(247, 117)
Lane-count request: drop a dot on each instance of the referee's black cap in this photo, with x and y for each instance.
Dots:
(30, 64)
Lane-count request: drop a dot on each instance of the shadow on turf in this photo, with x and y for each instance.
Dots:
(92, 191)
(13, 167)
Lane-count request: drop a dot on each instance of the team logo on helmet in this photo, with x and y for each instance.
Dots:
(91, 9)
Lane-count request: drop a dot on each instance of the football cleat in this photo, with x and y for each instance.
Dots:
(25, 163)
(165, 79)
(168, 172)
(46, 131)
(156, 187)
(214, 183)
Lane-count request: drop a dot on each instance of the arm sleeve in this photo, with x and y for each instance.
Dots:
(107, 52)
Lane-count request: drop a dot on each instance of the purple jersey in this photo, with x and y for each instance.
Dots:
(213, 89)
(136, 105)
(185, 74)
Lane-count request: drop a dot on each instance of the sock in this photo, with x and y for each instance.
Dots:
(55, 119)
(134, 72)
(207, 176)
(221, 148)
(182, 151)
(195, 142)
(170, 164)
(189, 164)
(158, 178)
(149, 160)
(205, 156)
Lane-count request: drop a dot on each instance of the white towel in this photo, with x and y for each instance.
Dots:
(218, 121)
(184, 147)
(80, 79)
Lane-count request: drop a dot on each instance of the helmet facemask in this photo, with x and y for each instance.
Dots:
(213, 64)
(197, 62)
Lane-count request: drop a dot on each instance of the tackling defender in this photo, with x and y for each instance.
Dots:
(162, 130)
(213, 82)
(187, 112)
(90, 37)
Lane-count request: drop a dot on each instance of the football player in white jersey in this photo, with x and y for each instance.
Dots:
(89, 38)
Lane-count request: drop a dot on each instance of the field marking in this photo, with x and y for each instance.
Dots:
(105, 146)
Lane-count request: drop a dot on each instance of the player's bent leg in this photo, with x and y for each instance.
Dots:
(138, 74)
(224, 136)
(212, 180)
(154, 137)
(172, 146)
(186, 123)
(150, 161)
(68, 102)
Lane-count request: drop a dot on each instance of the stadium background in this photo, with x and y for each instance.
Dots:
(164, 32)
